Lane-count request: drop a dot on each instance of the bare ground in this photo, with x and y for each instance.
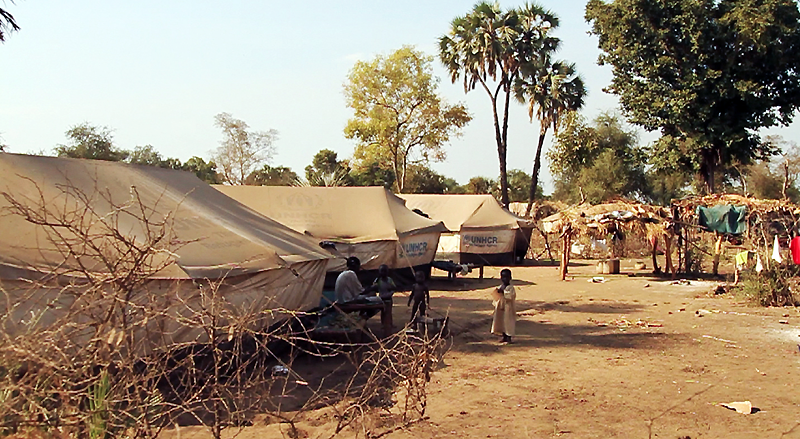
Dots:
(632, 357)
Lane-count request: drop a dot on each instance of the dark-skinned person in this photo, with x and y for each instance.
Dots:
(385, 287)
(348, 287)
(504, 319)
(420, 296)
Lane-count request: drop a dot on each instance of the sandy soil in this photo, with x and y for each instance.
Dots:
(632, 357)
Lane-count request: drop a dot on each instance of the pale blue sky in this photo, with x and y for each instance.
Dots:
(157, 71)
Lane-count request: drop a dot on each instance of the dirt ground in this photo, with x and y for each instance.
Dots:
(632, 357)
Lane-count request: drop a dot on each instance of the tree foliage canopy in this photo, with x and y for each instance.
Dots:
(241, 150)
(597, 162)
(487, 47)
(400, 120)
(707, 73)
(327, 170)
(87, 141)
(272, 176)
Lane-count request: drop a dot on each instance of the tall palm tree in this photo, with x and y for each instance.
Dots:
(551, 89)
(487, 47)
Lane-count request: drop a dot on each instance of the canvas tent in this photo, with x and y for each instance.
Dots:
(480, 230)
(257, 264)
(368, 222)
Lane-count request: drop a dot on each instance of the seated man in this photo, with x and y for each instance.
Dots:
(348, 287)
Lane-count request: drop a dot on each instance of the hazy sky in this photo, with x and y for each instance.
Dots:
(156, 72)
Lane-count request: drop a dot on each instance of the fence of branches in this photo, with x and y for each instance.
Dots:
(84, 350)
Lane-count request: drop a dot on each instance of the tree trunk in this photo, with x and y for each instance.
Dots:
(537, 165)
(399, 174)
(501, 153)
(708, 167)
(503, 174)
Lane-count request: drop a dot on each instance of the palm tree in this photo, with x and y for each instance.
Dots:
(551, 89)
(491, 44)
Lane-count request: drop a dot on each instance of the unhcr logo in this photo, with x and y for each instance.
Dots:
(480, 241)
(413, 249)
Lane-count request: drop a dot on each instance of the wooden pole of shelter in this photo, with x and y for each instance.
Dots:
(654, 241)
(567, 240)
(687, 259)
(717, 252)
(669, 267)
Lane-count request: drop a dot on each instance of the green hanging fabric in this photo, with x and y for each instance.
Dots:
(723, 218)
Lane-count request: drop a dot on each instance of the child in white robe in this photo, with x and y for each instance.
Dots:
(504, 320)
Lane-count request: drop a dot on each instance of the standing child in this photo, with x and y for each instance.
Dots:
(385, 287)
(419, 295)
(504, 320)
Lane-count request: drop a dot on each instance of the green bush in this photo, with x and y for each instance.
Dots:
(776, 286)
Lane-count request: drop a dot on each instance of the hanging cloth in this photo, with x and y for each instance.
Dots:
(776, 251)
(759, 264)
(741, 259)
(794, 248)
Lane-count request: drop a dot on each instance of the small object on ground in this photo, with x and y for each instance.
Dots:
(719, 289)
(646, 285)
(743, 407)
(680, 282)
(784, 322)
(280, 370)
(597, 280)
(640, 266)
(719, 339)
(702, 312)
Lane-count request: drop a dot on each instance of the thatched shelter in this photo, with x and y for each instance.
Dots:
(750, 222)
(618, 218)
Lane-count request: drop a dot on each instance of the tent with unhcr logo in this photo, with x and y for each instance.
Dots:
(480, 230)
(370, 223)
(77, 232)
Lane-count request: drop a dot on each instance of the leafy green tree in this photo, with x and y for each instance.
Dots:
(550, 89)
(518, 186)
(7, 24)
(479, 185)
(424, 180)
(373, 174)
(206, 171)
(327, 170)
(272, 176)
(241, 150)
(597, 162)
(707, 73)
(87, 141)
(145, 155)
(487, 47)
(663, 187)
(400, 119)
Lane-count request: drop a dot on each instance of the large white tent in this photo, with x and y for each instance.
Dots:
(480, 230)
(368, 222)
(254, 263)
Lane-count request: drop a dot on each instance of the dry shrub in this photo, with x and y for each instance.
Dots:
(86, 347)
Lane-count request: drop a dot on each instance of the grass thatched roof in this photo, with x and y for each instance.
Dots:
(601, 219)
